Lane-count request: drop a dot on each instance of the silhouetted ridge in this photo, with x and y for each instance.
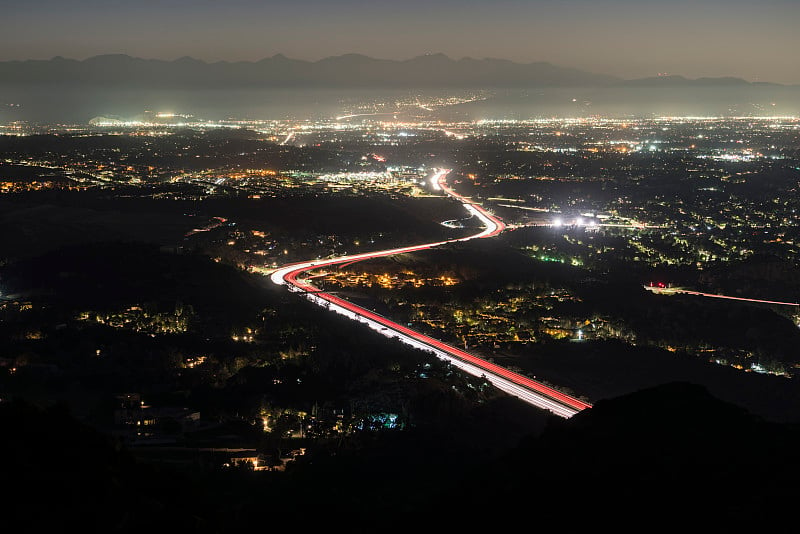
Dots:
(348, 70)
(682, 81)
(676, 403)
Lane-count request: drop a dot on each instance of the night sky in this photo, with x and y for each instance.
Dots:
(629, 38)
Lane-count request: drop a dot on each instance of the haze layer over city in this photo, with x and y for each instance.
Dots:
(338, 262)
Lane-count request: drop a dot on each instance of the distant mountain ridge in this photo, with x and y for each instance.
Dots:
(677, 80)
(349, 70)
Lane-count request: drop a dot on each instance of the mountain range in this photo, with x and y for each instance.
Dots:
(349, 70)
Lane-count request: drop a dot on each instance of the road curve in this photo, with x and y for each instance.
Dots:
(520, 386)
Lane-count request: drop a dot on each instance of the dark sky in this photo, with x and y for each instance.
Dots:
(630, 38)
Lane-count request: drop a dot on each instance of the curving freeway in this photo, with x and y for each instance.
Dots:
(520, 386)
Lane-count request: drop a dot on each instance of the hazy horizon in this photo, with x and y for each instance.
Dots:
(77, 105)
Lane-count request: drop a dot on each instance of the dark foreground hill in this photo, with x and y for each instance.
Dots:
(670, 455)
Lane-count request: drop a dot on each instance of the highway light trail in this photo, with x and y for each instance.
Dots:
(520, 386)
(342, 117)
(743, 299)
(218, 221)
(660, 290)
